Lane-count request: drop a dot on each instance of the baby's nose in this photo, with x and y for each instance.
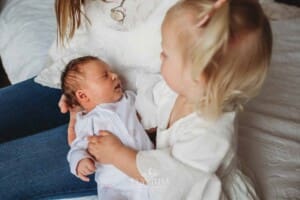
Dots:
(114, 76)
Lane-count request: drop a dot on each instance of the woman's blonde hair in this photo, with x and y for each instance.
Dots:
(232, 50)
(68, 17)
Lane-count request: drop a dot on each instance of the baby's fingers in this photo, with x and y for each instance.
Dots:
(91, 168)
(83, 177)
(88, 170)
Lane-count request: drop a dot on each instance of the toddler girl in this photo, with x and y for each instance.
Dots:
(215, 56)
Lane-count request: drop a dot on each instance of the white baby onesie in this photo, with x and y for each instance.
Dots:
(120, 119)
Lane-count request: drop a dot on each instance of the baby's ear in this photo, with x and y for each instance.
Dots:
(81, 96)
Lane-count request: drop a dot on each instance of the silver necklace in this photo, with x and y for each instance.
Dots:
(117, 13)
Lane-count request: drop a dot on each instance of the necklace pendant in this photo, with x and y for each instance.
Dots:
(117, 14)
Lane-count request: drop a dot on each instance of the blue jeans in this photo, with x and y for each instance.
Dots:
(33, 149)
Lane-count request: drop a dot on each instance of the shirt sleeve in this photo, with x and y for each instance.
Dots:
(77, 152)
(89, 126)
(196, 152)
(172, 179)
(201, 149)
(145, 102)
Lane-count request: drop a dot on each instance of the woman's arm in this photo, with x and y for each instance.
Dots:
(71, 128)
(64, 108)
(108, 149)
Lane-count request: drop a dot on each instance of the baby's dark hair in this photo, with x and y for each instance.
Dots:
(71, 78)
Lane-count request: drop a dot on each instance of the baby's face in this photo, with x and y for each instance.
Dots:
(101, 84)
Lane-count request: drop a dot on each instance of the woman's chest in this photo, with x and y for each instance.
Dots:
(135, 46)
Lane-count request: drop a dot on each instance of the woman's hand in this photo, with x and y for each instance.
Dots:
(105, 147)
(64, 108)
(71, 128)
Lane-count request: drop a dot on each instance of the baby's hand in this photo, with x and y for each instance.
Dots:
(85, 167)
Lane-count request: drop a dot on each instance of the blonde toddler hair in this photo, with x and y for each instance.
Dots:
(232, 50)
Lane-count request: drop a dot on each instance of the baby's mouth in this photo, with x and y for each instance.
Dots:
(118, 86)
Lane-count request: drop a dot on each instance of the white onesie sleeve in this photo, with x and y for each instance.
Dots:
(85, 126)
(77, 152)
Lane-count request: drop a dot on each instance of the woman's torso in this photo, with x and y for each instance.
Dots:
(129, 47)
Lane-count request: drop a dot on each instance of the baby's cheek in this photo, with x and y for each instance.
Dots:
(163, 69)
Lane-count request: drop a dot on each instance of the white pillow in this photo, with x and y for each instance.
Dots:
(27, 29)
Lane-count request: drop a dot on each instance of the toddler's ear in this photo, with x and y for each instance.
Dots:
(81, 96)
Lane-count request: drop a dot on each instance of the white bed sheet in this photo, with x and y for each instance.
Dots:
(27, 29)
